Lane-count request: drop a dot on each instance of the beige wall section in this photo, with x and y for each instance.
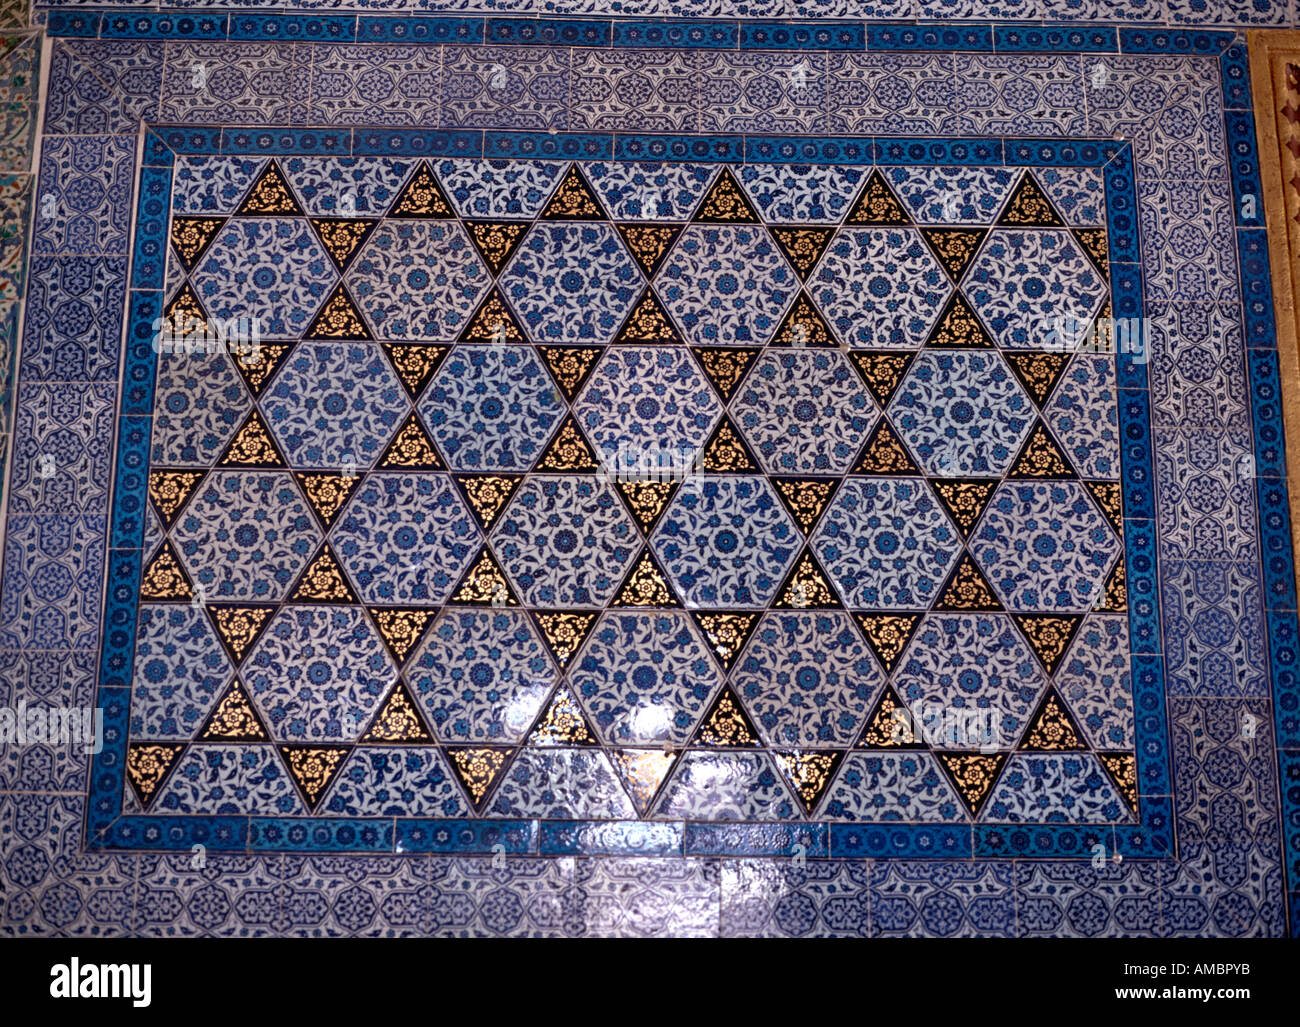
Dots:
(1270, 54)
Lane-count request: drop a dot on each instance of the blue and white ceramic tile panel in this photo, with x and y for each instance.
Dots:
(382, 651)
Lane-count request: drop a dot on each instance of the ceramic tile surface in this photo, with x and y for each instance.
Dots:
(839, 510)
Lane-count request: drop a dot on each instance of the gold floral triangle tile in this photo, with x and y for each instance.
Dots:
(269, 195)
(327, 493)
(148, 765)
(164, 578)
(479, 769)
(1029, 207)
(411, 449)
(169, 491)
(422, 197)
(485, 584)
(646, 585)
(725, 202)
(234, 719)
(1049, 636)
(398, 721)
(313, 768)
(563, 723)
(725, 366)
(401, 628)
(726, 633)
(339, 318)
(878, 205)
(323, 581)
(564, 632)
(240, 625)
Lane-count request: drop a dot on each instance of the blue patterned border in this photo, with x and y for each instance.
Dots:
(107, 828)
(720, 34)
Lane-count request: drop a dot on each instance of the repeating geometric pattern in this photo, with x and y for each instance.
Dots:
(617, 491)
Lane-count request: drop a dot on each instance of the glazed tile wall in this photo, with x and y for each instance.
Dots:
(1225, 582)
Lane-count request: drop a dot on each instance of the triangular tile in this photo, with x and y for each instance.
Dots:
(185, 314)
(164, 579)
(191, 237)
(726, 452)
(1109, 497)
(888, 635)
(564, 632)
(803, 246)
(239, 626)
(234, 719)
(644, 772)
(1041, 457)
(415, 363)
(269, 194)
(1114, 597)
(1029, 207)
(1039, 373)
(169, 491)
(725, 202)
(313, 768)
(958, 327)
(725, 366)
(569, 452)
(257, 366)
(148, 765)
(342, 237)
(649, 244)
(890, 725)
(803, 326)
(964, 499)
(810, 773)
(1093, 241)
(806, 498)
(954, 248)
(411, 449)
(726, 725)
(884, 453)
(401, 628)
(338, 318)
(726, 633)
(570, 366)
(881, 372)
(493, 322)
(485, 584)
(327, 493)
(252, 446)
(877, 205)
(398, 721)
(973, 774)
(807, 587)
(1122, 768)
(563, 723)
(573, 200)
(646, 585)
(1049, 636)
(1052, 729)
(479, 769)
(496, 241)
(323, 581)
(648, 323)
(422, 197)
(487, 494)
(646, 500)
(967, 590)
